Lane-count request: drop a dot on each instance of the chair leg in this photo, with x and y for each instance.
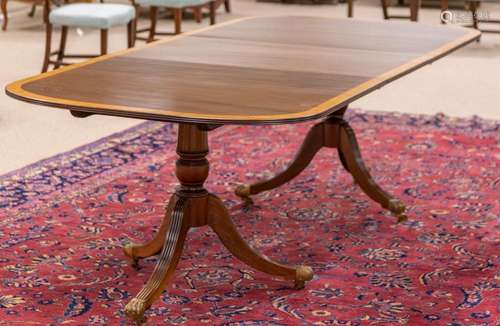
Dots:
(131, 34)
(350, 8)
(62, 46)
(444, 7)
(212, 12)
(473, 10)
(32, 11)
(178, 20)
(198, 16)
(104, 41)
(414, 7)
(136, 21)
(227, 6)
(153, 16)
(384, 9)
(48, 42)
(3, 6)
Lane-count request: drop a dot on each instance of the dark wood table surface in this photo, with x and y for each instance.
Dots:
(277, 69)
(250, 71)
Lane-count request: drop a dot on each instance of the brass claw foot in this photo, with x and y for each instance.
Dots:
(397, 208)
(243, 191)
(312, 144)
(135, 310)
(136, 251)
(303, 274)
(220, 221)
(401, 217)
(128, 250)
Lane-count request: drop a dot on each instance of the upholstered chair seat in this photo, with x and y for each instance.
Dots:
(99, 15)
(172, 3)
(177, 7)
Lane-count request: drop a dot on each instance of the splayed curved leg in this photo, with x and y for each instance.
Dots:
(172, 247)
(32, 12)
(312, 144)
(220, 221)
(342, 160)
(193, 206)
(333, 132)
(349, 148)
(137, 251)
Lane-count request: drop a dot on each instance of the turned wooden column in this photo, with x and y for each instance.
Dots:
(193, 206)
(192, 167)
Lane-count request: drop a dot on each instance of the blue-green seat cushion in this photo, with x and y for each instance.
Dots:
(95, 15)
(172, 3)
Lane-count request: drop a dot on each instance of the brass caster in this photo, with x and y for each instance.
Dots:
(128, 250)
(243, 191)
(299, 285)
(398, 209)
(135, 310)
(303, 274)
(401, 217)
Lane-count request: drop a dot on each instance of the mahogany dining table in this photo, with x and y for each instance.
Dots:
(254, 71)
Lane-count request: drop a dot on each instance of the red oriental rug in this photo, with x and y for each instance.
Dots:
(65, 219)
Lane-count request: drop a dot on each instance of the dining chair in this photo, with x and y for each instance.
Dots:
(477, 16)
(413, 4)
(414, 8)
(177, 7)
(3, 8)
(100, 16)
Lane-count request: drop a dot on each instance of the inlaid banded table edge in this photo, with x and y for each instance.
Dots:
(324, 109)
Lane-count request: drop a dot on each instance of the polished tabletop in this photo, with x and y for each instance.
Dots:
(252, 70)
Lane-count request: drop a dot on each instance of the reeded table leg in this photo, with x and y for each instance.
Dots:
(311, 145)
(220, 221)
(193, 206)
(334, 132)
(349, 149)
(164, 269)
(153, 247)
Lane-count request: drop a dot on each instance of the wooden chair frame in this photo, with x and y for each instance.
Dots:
(473, 6)
(413, 4)
(61, 52)
(177, 13)
(3, 7)
(414, 8)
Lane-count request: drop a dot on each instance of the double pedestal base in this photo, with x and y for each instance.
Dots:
(193, 206)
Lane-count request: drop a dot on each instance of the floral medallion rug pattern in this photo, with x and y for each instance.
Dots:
(65, 219)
